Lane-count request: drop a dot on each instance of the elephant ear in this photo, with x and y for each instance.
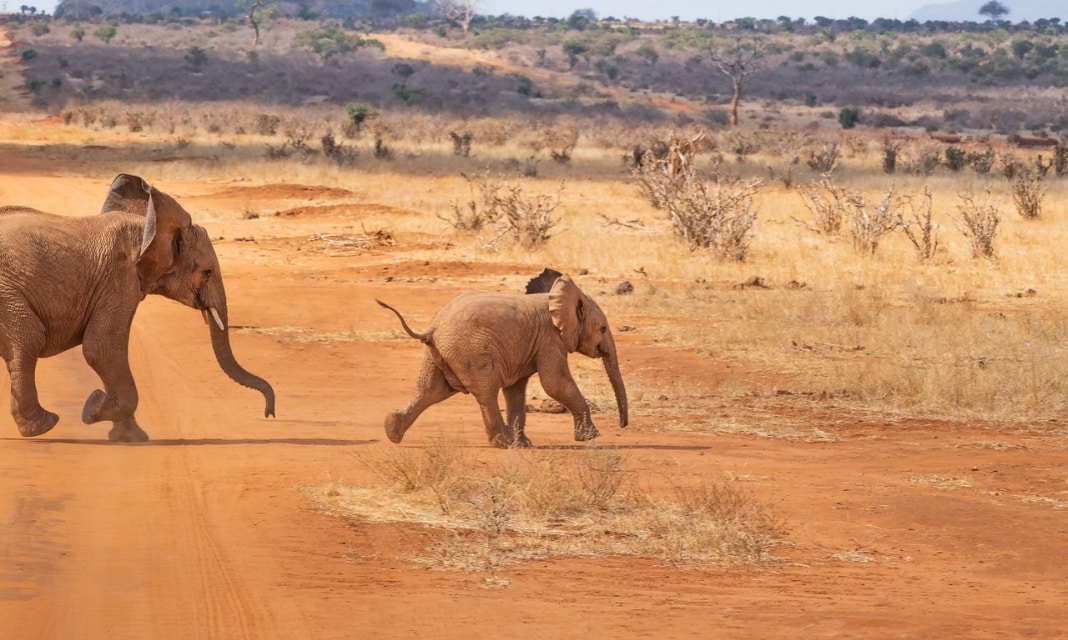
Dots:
(164, 221)
(127, 193)
(567, 310)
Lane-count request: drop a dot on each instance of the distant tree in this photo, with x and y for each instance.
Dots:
(462, 12)
(573, 49)
(359, 113)
(404, 70)
(77, 33)
(580, 19)
(993, 10)
(331, 41)
(648, 51)
(1021, 47)
(258, 12)
(197, 58)
(739, 60)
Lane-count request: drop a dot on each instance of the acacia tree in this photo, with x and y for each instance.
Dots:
(258, 11)
(739, 60)
(461, 12)
(993, 10)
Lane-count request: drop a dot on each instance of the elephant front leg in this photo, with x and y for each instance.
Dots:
(515, 401)
(559, 384)
(118, 401)
(31, 418)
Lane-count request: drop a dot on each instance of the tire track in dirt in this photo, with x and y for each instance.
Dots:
(216, 602)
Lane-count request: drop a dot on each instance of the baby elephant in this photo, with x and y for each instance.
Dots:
(480, 343)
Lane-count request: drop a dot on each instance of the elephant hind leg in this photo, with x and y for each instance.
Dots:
(31, 418)
(515, 400)
(500, 434)
(431, 388)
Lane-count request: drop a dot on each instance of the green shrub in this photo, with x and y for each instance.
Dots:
(105, 33)
(848, 117)
(359, 113)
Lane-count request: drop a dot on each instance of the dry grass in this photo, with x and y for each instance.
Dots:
(535, 504)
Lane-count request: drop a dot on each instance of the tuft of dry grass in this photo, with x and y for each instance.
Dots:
(535, 504)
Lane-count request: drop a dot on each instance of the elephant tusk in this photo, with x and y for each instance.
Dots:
(218, 319)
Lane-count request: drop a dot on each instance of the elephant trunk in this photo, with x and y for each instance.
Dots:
(216, 318)
(611, 367)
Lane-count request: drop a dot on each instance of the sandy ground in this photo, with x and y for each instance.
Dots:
(207, 531)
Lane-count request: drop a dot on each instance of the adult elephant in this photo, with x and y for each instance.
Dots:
(67, 281)
(481, 343)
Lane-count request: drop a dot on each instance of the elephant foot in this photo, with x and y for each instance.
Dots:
(522, 442)
(41, 423)
(94, 404)
(394, 427)
(127, 432)
(586, 433)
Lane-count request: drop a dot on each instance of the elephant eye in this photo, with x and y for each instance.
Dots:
(604, 328)
(207, 274)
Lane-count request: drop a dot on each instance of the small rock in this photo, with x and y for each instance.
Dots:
(623, 288)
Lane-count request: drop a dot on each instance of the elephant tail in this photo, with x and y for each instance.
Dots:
(421, 337)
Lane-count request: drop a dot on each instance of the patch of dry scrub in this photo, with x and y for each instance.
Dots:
(537, 504)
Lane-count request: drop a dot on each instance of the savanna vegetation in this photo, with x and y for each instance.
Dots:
(879, 236)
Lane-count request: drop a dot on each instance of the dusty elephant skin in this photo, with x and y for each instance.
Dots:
(481, 343)
(68, 281)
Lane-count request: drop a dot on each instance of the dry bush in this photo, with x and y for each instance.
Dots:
(493, 203)
(535, 504)
(716, 214)
(870, 222)
(530, 220)
(1027, 192)
(828, 202)
(825, 157)
(980, 219)
(920, 158)
(481, 209)
(919, 226)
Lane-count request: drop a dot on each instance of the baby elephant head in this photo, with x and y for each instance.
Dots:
(584, 328)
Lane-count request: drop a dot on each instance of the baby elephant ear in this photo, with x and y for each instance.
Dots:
(566, 309)
(129, 194)
(543, 282)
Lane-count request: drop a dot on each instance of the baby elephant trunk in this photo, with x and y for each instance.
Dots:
(611, 367)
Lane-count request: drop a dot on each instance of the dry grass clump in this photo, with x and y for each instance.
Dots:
(536, 504)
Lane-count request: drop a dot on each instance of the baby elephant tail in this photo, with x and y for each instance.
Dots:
(421, 337)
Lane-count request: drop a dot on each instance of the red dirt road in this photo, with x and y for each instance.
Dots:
(207, 531)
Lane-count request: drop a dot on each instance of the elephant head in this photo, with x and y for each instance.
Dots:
(178, 261)
(584, 328)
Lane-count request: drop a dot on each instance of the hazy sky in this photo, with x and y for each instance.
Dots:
(664, 9)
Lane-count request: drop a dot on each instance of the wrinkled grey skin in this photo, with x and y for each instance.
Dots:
(481, 343)
(67, 281)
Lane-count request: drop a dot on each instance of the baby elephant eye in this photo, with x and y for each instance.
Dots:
(206, 273)
(604, 329)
